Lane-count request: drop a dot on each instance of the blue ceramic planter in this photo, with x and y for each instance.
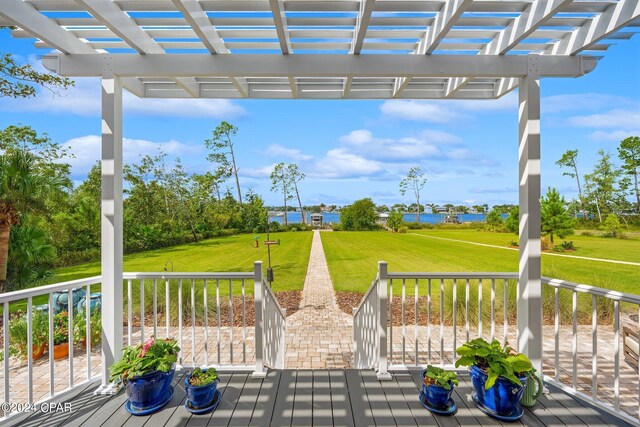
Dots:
(200, 396)
(148, 391)
(436, 396)
(503, 398)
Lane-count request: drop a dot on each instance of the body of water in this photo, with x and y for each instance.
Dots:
(334, 217)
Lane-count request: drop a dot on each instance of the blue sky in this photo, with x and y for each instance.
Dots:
(355, 149)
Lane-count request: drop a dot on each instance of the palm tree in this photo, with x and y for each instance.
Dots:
(24, 188)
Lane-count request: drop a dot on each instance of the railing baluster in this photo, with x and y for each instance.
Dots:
(616, 355)
(231, 321)
(415, 324)
(442, 322)
(244, 327)
(574, 346)
(180, 321)
(5, 348)
(493, 309)
(455, 312)
(206, 326)
(142, 311)
(390, 322)
(129, 315)
(87, 328)
(167, 308)
(480, 307)
(30, 349)
(466, 310)
(155, 307)
(556, 334)
(506, 310)
(70, 326)
(218, 314)
(403, 321)
(594, 349)
(51, 372)
(193, 323)
(429, 320)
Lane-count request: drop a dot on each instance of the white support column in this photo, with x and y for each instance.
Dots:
(111, 223)
(529, 283)
(258, 299)
(383, 374)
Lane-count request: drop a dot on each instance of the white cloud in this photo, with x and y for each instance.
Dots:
(277, 150)
(580, 102)
(85, 100)
(616, 118)
(613, 136)
(263, 172)
(87, 151)
(360, 136)
(340, 163)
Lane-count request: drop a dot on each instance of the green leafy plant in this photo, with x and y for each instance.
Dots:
(199, 377)
(61, 328)
(18, 333)
(80, 327)
(496, 360)
(152, 355)
(440, 377)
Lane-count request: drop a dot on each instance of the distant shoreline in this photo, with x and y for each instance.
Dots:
(334, 217)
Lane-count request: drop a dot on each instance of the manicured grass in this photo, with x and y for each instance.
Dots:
(353, 257)
(233, 253)
(587, 246)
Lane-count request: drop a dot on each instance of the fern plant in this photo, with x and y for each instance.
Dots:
(496, 360)
(438, 376)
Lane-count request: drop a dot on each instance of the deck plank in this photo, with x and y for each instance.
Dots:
(265, 402)
(303, 402)
(322, 411)
(232, 392)
(379, 404)
(285, 394)
(360, 406)
(340, 399)
(243, 411)
(402, 414)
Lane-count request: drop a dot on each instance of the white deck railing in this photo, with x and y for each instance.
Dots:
(274, 318)
(428, 315)
(26, 297)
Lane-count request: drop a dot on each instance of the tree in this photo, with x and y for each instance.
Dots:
(611, 226)
(281, 181)
(512, 223)
(296, 176)
(480, 208)
(629, 153)
(254, 214)
(20, 81)
(359, 216)
(602, 184)
(395, 220)
(414, 182)
(221, 146)
(568, 160)
(24, 189)
(554, 215)
(493, 219)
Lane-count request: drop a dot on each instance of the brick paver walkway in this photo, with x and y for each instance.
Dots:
(319, 335)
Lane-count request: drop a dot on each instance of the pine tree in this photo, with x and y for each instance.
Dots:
(555, 217)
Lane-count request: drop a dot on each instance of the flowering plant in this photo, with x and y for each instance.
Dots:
(152, 355)
(61, 328)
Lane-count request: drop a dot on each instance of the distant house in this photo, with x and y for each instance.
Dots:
(316, 220)
(382, 218)
(441, 209)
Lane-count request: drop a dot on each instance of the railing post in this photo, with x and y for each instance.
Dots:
(383, 374)
(529, 283)
(111, 223)
(258, 299)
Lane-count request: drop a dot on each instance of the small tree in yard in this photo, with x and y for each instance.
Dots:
(359, 216)
(493, 219)
(629, 153)
(611, 226)
(554, 215)
(414, 182)
(281, 181)
(395, 220)
(512, 223)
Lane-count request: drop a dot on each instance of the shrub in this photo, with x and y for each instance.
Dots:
(568, 246)
(545, 244)
(403, 230)
(611, 226)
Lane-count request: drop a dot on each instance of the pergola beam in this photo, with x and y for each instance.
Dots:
(362, 23)
(330, 65)
(615, 17)
(280, 20)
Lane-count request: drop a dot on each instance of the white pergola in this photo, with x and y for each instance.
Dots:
(314, 49)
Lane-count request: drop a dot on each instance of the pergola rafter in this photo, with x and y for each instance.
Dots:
(396, 28)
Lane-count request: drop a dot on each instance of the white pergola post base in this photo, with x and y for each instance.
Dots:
(529, 283)
(383, 373)
(111, 222)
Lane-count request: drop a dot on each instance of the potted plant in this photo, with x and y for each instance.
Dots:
(498, 374)
(437, 386)
(80, 328)
(18, 333)
(201, 388)
(61, 335)
(147, 370)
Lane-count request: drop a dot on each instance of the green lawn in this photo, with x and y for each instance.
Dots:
(233, 253)
(353, 257)
(587, 246)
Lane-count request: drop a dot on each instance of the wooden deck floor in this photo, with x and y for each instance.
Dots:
(313, 397)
